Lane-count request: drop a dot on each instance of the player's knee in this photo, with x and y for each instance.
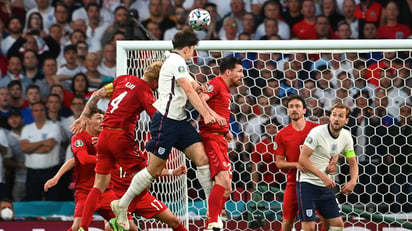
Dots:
(334, 228)
(173, 222)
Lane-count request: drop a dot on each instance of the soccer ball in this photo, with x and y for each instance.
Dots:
(199, 19)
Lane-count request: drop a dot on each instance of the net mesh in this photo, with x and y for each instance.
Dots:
(376, 85)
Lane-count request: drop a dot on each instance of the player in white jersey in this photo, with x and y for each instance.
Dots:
(314, 186)
(169, 127)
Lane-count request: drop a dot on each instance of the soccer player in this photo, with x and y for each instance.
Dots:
(288, 142)
(215, 137)
(314, 185)
(169, 127)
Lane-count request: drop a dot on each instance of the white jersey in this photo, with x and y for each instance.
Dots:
(324, 147)
(172, 98)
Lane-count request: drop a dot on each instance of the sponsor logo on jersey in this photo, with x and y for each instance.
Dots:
(210, 88)
(309, 140)
(78, 143)
(181, 69)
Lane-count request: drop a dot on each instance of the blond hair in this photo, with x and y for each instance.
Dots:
(152, 72)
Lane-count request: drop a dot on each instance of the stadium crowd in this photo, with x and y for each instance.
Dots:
(54, 54)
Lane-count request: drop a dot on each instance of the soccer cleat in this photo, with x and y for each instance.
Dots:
(219, 221)
(81, 229)
(113, 224)
(214, 226)
(121, 215)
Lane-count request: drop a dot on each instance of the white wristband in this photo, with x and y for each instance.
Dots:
(170, 172)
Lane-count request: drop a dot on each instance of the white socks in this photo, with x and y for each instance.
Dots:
(139, 182)
(333, 228)
(203, 176)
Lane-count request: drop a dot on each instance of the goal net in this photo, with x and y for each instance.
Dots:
(373, 77)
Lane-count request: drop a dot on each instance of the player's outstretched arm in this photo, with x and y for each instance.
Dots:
(80, 123)
(219, 119)
(69, 164)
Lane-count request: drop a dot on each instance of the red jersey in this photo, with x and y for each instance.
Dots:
(372, 13)
(130, 97)
(219, 101)
(399, 31)
(288, 143)
(83, 175)
(264, 152)
(304, 30)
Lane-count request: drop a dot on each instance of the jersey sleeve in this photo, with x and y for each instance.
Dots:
(348, 150)
(311, 140)
(180, 70)
(78, 144)
(149, 99)
(212, 88)
(278, 146)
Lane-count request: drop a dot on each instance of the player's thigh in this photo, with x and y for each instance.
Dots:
(327, 204)
(306, 194)
(216, 149)
(79, 200)
(290, 203)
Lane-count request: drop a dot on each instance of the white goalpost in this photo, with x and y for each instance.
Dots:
(275, 69)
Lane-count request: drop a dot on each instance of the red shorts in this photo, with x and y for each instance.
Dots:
(290, 202)
(103, 206)
(216, 149)
(146, 205)
(118, 146)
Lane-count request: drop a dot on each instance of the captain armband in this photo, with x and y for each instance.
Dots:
(349, 153)
(109, 88)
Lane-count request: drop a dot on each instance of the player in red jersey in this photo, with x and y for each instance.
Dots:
(288, 143)
(83, 146)
(129, 96)
(215, 137)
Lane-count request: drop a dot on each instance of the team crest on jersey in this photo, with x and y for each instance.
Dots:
(275, 146)
(309, 212)
(210, 88)
(78, 143)
(334, 148)
(161, 151)
(309, 140)
(181, 69)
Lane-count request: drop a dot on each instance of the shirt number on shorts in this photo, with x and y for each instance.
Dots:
(116, 101)
(157, 204)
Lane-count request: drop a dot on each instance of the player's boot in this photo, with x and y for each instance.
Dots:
(113, 224)
(81, 229)
(121, 215)
(214, 226)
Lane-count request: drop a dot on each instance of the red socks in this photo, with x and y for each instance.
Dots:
(89, 207)
(215, 202)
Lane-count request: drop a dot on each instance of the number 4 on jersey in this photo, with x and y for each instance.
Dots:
(116, 101)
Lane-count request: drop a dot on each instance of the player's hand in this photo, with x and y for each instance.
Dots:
(180, 170)
(79, 125)
(329, 183)
(229, 136)
(201, 88)
(94, 141)
(300, 167)
(221, 120)
(50, 183)
(331, 169)
(348, 188)
(209, 119)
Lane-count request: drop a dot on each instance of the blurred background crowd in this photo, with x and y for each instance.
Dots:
(54, 54)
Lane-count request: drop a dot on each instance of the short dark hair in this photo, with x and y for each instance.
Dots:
(14, 83)
(32, 86)
(298, 97)
(185, 38)
(228, 63)
(342, 106)
(94, 111)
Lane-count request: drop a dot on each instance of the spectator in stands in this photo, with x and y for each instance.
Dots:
(392, 29)
(323, 29)
(229, 30)
(309, 89)
(267, 179)
(237, 12)
(291, 83)
(158, 16)
(249, 24)
(35, 25)
(215, 22)
(16, 95)
(325, 89)
(95, 27)
(71, 67)
(380, 108)
(61, 15)
(81, 13)
(329, 9)
(305, 29)
(31, 66)
(314, 110)
(16, 158)
(77, 104)
(8, 9)
(344, 89)
(15, 72)
(4, 107)
(47, 13)
(107, 66)
(292, 14)
(349, 14)
(56, 33)
(369, 10)
(369, 31)
(359, 69)
(154, 30)
(65, 97)
(82, 51)
(15, 29)
(253, 125)
(271, 10)
(32, 96)
(80, 86)
(343, 30)
(95, 78)
(40, 141)
(271, 28)
(49, 68)
(80, 35)
(6, 209)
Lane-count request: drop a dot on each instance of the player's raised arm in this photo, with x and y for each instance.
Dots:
(69, 164)
(80, 123)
